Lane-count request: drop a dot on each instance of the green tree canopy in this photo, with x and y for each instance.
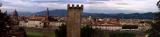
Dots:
(86, 31)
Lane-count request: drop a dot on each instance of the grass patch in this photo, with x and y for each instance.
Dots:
(39, 34)
(34, 34)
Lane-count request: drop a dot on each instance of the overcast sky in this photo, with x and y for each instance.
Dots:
(91, 6)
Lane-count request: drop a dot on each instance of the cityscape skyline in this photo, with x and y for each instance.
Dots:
(79, 18)
(90, 6)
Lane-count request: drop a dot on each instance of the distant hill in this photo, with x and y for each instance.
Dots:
(61, 12)
(22, 13)
(148, 15)
(25, 13)
(58, 12)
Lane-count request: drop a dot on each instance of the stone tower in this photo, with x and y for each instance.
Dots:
(15, 20)
(15, 17)
(46, 21)
(15, 13)
(73, 20)
(47, 15)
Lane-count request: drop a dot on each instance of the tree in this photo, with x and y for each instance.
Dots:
(155, 31)
(158, 4)
(4, 21)
(122, 34)
(86, 31)
(156, 25)
(61, 32)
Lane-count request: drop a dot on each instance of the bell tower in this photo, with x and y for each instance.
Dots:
(74, 20)
(46, 21)
(15, 17)
(47, 14)
(15, 20)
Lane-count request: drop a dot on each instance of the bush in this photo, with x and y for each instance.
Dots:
(86, 31)
(61, 32)
(122, 34)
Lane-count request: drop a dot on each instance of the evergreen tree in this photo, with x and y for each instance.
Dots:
(4, 21)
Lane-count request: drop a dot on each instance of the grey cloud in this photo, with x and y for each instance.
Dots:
(94, 2)
(34, 6)
(99, 0)
(66, 1)
(122, 3)
(21, 5)
(60, 1)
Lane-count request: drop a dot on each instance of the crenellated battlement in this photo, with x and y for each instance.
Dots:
(72, 6)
